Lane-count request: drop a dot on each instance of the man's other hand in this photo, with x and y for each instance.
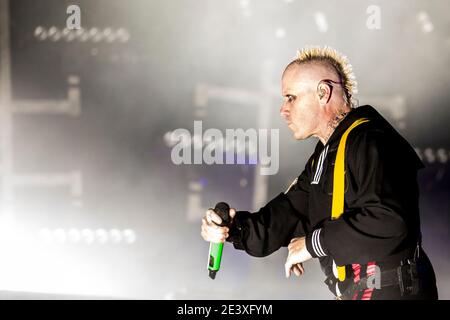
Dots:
(296, 256)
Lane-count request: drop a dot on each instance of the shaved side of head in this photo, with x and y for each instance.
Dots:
(316, 63)
(313, 70)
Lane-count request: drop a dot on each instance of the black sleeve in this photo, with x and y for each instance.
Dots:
(374, 226)
(273, 226)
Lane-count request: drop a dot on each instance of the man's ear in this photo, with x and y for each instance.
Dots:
(323, 92)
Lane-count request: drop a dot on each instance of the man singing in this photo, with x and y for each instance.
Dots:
(354, 206)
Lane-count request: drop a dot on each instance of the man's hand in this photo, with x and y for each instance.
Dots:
(297, 255)
(211, 232)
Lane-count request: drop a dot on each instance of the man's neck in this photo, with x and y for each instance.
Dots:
(333, 123)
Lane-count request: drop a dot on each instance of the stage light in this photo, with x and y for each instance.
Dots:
(245, 7)
(38, 31)
(427, 27)
(115, 236)
(93, 31)
(129, 236)
(168, 139)
(321, 21)
(98, 37)
(56, 36)
(101, 236)
(70, 36)
(442, 155)
(244, 4)
(123, 35)
(59, 235)
(93, 34)
(109, 35)
(88, 236)
(429, 155)
(84, 37)
(74, 236)
(107, 32)
(425, 22)
(280, 33)
(52, 31)
(195, 186)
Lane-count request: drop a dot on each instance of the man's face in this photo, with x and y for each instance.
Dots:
(301, 108)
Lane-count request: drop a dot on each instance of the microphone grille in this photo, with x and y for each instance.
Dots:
(223, 210)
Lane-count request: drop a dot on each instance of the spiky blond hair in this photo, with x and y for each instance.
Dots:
(334, 59)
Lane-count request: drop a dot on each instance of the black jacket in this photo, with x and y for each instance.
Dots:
(381, 213)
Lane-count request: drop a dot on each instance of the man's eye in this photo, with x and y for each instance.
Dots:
(290, 98)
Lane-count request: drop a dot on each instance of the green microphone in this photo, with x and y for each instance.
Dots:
(215, 249)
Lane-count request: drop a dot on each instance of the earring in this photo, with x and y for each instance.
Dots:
(321, 94)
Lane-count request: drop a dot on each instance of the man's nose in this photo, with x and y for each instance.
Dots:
(284, 111)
